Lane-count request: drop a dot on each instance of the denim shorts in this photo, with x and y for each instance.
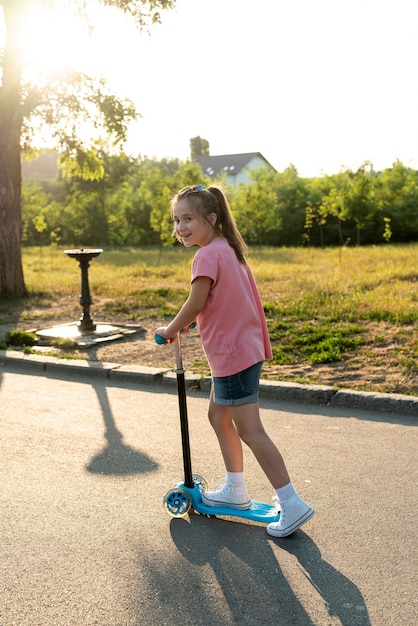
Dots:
(240, 388)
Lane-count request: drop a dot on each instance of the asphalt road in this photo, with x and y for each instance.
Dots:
(85, 539)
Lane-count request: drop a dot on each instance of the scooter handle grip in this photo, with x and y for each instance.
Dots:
(162, 340)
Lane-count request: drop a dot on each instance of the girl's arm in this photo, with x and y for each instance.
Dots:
(198, 295)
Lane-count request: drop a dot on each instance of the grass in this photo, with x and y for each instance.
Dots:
(323, 306)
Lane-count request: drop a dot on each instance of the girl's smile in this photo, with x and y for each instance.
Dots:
(193, 229)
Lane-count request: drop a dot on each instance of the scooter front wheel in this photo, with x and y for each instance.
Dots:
(177, 502)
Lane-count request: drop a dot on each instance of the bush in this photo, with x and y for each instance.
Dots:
(20, 338)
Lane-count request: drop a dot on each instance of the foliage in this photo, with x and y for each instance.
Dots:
(398, 198)
(129, 205)
(293, 197)
(360, 200)
(82, 115)
(198, 147)
(20, 338)
(256, 208)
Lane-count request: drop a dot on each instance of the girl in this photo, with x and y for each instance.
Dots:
(225, 301)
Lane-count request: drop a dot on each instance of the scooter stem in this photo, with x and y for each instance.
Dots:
(185, 439)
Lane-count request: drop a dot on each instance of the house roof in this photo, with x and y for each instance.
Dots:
(229, 164)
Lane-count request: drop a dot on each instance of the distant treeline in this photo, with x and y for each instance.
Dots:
(127, 204)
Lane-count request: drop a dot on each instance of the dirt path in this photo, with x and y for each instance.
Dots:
(376, 366)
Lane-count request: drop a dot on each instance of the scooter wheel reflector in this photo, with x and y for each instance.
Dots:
(177, 502)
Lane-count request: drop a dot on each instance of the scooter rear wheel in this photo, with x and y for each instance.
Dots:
(200, 482)
(177, 502)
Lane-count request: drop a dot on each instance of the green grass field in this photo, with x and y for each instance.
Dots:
(323, 306)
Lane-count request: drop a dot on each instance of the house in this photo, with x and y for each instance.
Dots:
(233, 166)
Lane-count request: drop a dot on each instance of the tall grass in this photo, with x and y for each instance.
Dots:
(320, 303)
(377, 282)
(352, 285)
(367, 283)
(114, 272)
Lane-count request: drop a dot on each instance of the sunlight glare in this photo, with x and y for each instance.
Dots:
(54, 40)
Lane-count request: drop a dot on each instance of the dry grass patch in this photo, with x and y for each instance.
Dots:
(342, 317)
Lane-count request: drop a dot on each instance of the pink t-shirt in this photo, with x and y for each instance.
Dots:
(232, 324)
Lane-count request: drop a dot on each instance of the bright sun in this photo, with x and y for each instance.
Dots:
(58, 39)
(54, 40)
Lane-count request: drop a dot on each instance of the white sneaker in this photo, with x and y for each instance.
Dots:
(293, 514)
(234, 495)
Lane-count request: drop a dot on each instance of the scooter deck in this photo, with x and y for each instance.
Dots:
(258, 512)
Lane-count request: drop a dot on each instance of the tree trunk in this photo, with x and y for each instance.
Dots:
(321, 234)
(11, 270)
(340, 232)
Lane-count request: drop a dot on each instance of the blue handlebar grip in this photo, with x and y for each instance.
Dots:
(161, 340)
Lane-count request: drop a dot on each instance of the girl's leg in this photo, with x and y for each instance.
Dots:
(233, 424)
(249, 427)
(229, 440)
(233, 492)
(294, 512)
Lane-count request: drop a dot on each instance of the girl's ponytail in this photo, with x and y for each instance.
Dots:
(227, 225)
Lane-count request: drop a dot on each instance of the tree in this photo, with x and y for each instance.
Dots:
(333, 202)
(34, 201)
(63, 104)
(93, 204)
(399, 201)
(255, 207)
(360, 200)
(292, 196)
(198, 147)
(318, 188)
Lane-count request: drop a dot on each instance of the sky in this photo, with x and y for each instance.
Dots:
(322, 85)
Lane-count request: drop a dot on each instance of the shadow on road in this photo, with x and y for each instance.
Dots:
(252, 580)
(341, 597)
(229, 573)
(117, 458)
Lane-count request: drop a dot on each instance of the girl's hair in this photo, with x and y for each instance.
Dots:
(213, 200)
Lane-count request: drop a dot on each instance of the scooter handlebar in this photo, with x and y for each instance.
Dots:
(162, 340)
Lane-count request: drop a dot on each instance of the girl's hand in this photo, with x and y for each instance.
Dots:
(189, 327)
(161, 332)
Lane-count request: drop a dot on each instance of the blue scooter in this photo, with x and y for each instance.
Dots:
(187, 495)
